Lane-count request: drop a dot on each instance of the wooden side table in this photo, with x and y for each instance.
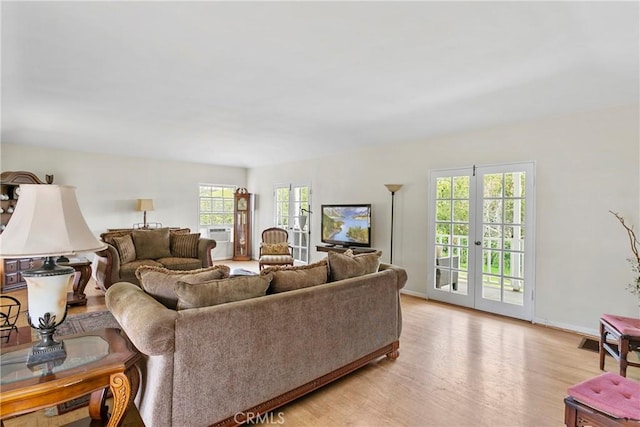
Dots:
(95, 360)
(82, 266)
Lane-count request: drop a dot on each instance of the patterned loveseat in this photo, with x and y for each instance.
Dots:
(174, 249)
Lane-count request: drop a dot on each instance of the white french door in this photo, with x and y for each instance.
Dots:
(482, 238)
(292, 208)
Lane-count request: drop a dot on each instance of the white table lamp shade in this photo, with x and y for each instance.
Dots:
(47, 222)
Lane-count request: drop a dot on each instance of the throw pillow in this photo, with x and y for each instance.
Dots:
(288, 278)
(159, 282)
(343, 266)
(221, 291)
(275, 248)
(152, 244)
(184, 245)
(125, 247)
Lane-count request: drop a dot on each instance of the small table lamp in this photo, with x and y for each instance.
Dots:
(144, 205)
(47, 222)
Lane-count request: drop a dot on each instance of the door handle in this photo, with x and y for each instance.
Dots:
(478, 243)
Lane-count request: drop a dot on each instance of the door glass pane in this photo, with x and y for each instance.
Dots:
(297, 213)
(460, 187)
(443, 233)
(492, 236)
(503, 238)
(513, 291)
(492, 211)
(444, 188)
(493, 185)
(491, 288)
(443, 210)
(514, 184)
(452, 234)
(461, 210)
(514, 264)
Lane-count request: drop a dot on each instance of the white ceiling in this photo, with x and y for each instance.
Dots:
(258, 83)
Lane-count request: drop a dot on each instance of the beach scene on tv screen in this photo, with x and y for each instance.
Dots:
(346, 224)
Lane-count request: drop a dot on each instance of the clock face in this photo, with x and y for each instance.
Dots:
(242, 204)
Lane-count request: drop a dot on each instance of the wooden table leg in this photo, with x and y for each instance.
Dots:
(124, 387)
(97, 405)
(78, 296)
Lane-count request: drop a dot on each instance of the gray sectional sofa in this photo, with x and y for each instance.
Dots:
(221, 364)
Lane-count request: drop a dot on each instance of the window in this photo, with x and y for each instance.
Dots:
(216, 205)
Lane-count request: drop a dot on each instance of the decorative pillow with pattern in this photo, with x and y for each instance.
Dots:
(286, 278)
(159, 282)
(343, 266)
(275, 248)
(125, 247)
(184, 245)
(221, 291)
(152, 244)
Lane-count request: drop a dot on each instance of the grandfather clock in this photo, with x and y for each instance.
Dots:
(242, 207)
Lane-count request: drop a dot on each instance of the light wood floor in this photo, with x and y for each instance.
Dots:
(457, 367)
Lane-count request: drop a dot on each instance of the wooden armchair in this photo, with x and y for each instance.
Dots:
(275, 248)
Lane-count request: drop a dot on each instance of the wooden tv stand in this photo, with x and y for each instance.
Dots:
(341, 249)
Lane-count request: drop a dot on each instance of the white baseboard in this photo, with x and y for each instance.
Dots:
(567, 327)
(414, 293)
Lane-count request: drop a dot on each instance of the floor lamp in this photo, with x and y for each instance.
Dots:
(393, 188)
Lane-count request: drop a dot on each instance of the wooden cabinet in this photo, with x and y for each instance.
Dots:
(11, 269)
(242, 210)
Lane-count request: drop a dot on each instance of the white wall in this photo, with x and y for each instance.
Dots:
(586, 165)
(108, 186)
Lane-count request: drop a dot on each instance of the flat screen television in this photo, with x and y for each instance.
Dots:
(346, 225)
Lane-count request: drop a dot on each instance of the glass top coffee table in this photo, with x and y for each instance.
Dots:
(95, 360)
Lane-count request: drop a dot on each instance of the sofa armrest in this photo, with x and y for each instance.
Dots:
(149, 325)
(106, 267)
(401, 273)
(205, 246)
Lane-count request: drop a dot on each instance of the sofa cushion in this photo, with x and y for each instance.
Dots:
(345, 266)
(221, 291)
(152, 244)
(184, 245)
(288, 278)
(275, 248)
(125, 247)
(173, 263)
(159, 282)
(128, 270)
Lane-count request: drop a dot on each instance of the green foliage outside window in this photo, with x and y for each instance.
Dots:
(503, 219)
(216, 205)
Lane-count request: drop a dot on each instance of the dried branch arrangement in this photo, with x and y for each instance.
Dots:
(634, 288)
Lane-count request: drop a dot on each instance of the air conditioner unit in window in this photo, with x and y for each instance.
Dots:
(224, 247)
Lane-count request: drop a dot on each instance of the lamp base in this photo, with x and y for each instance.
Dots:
(55, 353)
